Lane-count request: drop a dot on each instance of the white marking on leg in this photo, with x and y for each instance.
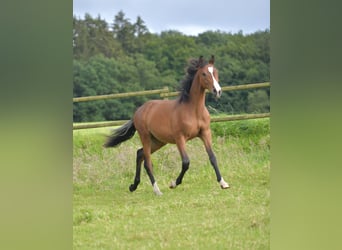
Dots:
(156, 189)
(224, 184)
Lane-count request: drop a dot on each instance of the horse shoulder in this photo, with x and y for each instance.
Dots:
(205, 119)
(205, 126)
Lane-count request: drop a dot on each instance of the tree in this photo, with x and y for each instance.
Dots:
(141, 35)
(123, 31)
(140, 28)
(92, 37)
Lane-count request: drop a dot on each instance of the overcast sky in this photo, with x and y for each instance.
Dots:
(187, 16)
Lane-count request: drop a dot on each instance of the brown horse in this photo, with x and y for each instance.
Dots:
(159, 122)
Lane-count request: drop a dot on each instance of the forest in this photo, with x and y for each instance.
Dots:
(125, 56)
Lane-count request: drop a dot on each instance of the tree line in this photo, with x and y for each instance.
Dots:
(125, 56)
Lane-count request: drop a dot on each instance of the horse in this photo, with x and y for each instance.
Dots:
(160, 122)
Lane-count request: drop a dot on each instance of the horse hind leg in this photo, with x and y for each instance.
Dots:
(149, 171)
(140, 158)
(149, 147)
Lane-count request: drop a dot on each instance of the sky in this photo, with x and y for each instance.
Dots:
(187, 16)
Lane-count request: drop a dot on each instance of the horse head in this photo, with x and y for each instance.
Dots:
(208, 76)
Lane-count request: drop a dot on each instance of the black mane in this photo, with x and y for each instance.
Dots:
(193, 66)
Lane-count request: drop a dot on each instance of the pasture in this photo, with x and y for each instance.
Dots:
(195, 215)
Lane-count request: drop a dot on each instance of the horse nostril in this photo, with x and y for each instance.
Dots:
(217, 93)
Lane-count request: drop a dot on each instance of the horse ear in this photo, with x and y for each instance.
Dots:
(212, 59)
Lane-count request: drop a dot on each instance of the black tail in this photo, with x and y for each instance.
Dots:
(120, 135)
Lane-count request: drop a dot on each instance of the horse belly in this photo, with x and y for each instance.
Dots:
(162, 134)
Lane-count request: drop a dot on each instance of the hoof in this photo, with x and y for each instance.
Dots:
(132, 188)
(173, 184)
(223, 184)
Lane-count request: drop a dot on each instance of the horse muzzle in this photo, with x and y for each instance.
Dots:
(217, 91)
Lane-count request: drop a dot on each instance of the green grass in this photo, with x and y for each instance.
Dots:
(195, 215)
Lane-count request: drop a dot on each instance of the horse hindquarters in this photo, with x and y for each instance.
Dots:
(150, 145)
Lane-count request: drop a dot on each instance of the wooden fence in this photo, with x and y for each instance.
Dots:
(165, 93)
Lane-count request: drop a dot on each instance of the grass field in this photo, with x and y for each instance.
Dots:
(195, 215)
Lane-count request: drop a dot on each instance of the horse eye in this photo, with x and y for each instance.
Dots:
(204, 74)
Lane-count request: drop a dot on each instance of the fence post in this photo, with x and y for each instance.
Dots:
(163, 94)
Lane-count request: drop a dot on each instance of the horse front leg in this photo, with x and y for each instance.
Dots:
(206, 138)
(213, 162)
(185, 163)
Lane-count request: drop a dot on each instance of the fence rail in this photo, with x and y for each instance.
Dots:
(214, 119)
(165, 93)
(120, 95)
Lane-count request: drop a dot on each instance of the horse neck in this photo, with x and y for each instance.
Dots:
(197, 95)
